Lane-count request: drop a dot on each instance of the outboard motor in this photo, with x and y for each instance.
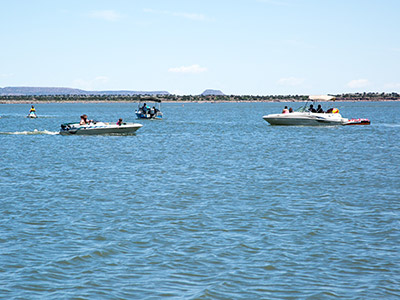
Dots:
(65, 127)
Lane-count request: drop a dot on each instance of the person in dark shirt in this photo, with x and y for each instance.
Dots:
(319, 109)
(312, 109)
(144, 108)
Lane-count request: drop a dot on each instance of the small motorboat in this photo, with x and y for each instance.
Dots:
(304, 117)
(358, 122)
(32, 115)
(95, 128)
(152, 111)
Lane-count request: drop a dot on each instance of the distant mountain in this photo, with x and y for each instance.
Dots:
(212, 93)
(31, 91)
(39, 91)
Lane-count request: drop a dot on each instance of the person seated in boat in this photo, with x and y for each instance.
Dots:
(84, 120)
(32, 110)
(290, 110)
(312, 109)
(319, 109)
(285, 110)
(153, 111)
(119, 123)
(329, 111)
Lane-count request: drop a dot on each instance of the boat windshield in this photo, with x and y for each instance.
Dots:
(302, 108)
(314, 100)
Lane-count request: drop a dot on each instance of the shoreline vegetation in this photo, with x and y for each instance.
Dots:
(24, 99)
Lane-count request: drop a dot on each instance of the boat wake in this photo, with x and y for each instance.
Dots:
(390, 125)
(13, 116)
(34, 132)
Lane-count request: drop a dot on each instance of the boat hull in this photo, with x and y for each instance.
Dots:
(305, 119)
(157, 116)
(99, 128)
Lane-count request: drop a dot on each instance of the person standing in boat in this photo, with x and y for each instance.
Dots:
(144, 108)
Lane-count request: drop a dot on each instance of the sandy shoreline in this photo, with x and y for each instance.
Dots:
(179, 102)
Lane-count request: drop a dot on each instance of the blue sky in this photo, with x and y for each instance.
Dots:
(257, 47)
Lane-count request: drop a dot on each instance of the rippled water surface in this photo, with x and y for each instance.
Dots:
(209, 203)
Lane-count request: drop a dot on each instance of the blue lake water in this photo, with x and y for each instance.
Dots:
(209, 203)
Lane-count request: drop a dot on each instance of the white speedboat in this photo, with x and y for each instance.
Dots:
(96, 128)
(304, 117)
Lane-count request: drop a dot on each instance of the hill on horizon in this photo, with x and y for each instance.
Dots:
(41, 91)
(210, 92)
